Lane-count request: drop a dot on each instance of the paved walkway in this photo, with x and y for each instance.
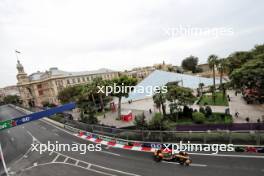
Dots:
(238, 104)
(147, 104)
(110, 118)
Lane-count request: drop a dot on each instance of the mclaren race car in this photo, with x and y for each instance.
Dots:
(182, 157)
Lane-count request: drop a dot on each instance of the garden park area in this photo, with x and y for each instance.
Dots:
(208, 99)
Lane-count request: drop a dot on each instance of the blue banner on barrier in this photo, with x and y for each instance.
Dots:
(46, 113)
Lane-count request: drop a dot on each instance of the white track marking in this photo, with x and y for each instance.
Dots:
(94, 170)
(34, 139)
(111, 153)
(66, 159)
(54, 160)
(226, 155)
(25, 155)
(89, 166)
(107, 152)
(192, 164)
(198, 165)
(77, 162)
(45, 164)
(3, 160)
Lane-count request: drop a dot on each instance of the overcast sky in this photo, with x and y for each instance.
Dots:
(78, 35)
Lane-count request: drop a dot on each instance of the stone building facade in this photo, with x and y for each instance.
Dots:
(40, 87)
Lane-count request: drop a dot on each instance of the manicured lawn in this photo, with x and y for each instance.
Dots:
(219, 100)
(219, 118)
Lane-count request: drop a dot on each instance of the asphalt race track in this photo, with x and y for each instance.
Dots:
(20, 160)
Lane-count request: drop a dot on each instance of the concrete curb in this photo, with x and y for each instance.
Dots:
(115, 143)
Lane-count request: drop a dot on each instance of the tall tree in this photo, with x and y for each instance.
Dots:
(250, 75)
(179, 96)
(70, 94)
(212, 90)
(11, 99)
(237, 59)
(190, 63)
(222, 68)
(98, 81)
(213, 61)
(125, 82)
(88, 91)
(159, 99)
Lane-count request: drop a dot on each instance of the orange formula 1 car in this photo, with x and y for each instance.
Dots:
(182, 157)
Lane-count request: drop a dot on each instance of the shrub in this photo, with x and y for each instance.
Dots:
(187, 112)
(158, 123)
(198, 117)
(208, 111)
(140, 121)
(202, 110)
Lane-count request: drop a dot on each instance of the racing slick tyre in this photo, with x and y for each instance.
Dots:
(157, 159)
(188, 162)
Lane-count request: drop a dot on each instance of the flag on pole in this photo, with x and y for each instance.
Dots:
(17, 51)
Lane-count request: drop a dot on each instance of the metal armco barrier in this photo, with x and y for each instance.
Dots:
(107, 139)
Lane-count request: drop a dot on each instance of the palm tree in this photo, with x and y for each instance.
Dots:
(89, 90)
(126, 82)
(223, 87)
(212, 90)
(213, 62)
(98, 81)
(222, 68)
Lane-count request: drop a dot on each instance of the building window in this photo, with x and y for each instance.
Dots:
(40, 92)
(73, 81)
(68, 81)
(79, 80)
(83, 79)
(39, 86)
